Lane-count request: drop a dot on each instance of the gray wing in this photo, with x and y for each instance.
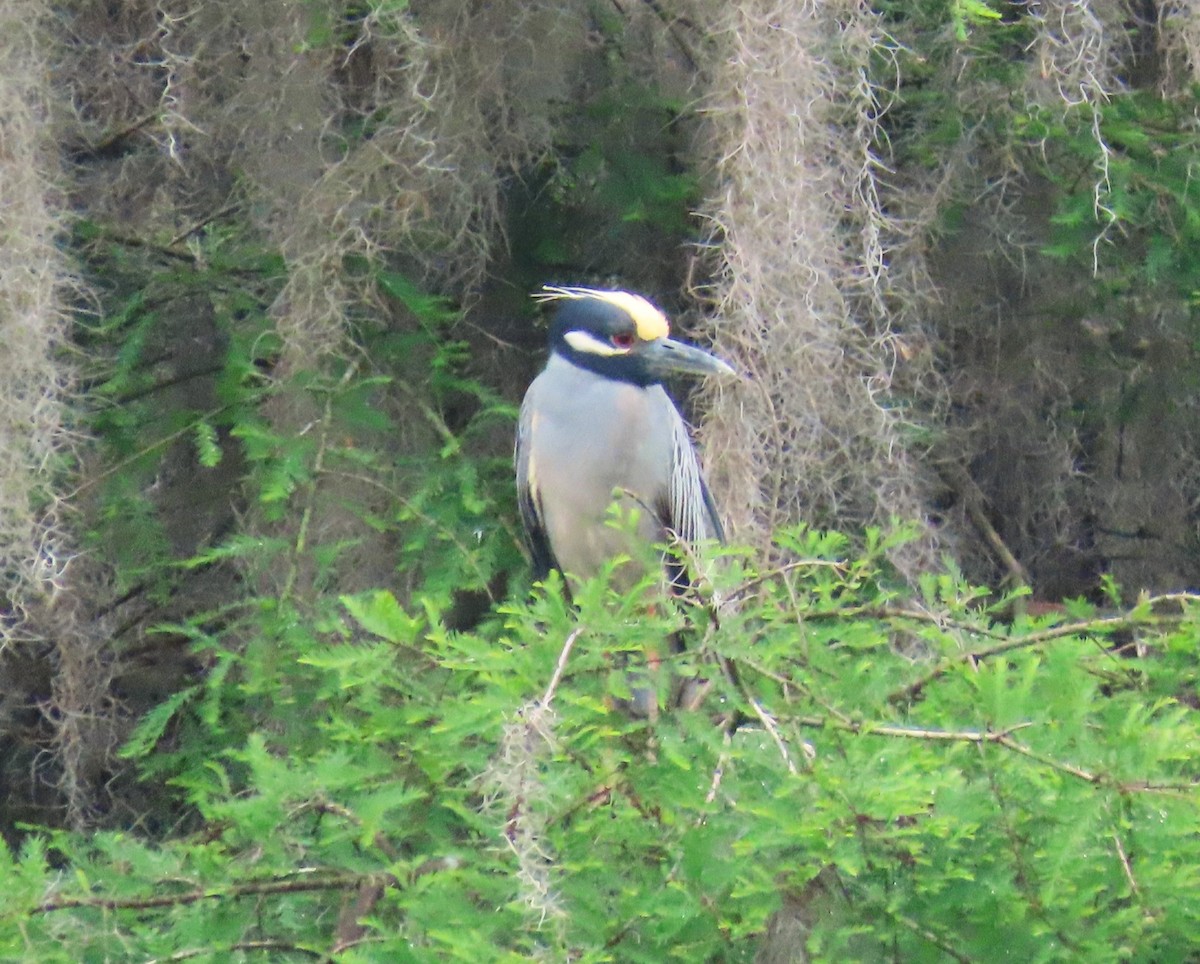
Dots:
(529, 498)
(692, 514)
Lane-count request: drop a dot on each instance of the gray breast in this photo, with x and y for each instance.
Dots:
(591, 437)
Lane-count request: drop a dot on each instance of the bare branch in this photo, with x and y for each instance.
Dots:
(1083, 627)
(207, 952)
(318, 882)
(560, 666)
(974, 502)
(999, 738)
(1126, 866)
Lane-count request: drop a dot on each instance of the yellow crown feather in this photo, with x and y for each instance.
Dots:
(651, 323)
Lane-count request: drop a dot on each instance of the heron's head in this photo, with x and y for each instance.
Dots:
(621, 336)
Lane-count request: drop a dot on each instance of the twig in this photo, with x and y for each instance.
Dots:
(380, 839)
(146, 450)
(254, 888)
(494, 339)
(767, 721)
(444, 530)
(182, 378)
(350, 929)
(841, 721)
(762, 577)
(1080, 628)
(926, 934)
(208, 952)
(1068, 768)
(939, 620)
(973, 499)
(203, 222)
(310, 502)
(560, 666)
(453, 442)
(769, 725)
(1125, 865)
(167, 251)
(112, 139)
(670, 24)
(999, 738)
(1098, 779)
(911, 732)
(718, 773)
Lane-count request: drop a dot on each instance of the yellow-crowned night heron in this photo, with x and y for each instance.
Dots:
(597, 426)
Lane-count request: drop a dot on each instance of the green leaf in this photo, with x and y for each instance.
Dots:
(237, 547)
(380, 614)
(977, 10)
(148, 732)
(430, 308)
(207, 450)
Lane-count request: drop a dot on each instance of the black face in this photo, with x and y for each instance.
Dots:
(602, 338)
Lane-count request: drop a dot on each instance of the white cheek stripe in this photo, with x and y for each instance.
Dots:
(591, 345)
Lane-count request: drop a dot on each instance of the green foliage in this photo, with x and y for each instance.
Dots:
(178, 367)
(172, 408)
(368, 776)
(914, 778)
(1122, 162)
(1128, 204)
(349, 777)
(616, 184)
(983, 47)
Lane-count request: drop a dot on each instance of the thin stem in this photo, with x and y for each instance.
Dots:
(560, 666)
(254, 888)
(1080, 628)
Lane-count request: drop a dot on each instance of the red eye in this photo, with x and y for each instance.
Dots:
(623, 340)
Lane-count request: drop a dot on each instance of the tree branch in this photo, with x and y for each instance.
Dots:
(277, 886)
(1080, 628)
(207, 952)
(560, 667)
(1000, 738)
(974, 502)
